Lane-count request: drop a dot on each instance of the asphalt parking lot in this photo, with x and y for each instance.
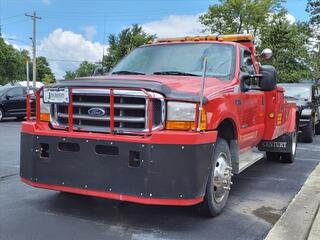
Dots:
(258, 198)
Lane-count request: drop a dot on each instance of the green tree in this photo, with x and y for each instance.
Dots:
(43, 70)
(12, 63)
(70, 75)
(313, 8)
(47, 79)
(120, 45)
(85, 69)
(288, 42)
(239, 16)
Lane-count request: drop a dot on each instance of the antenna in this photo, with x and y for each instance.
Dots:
(104, 37)
(204, 73)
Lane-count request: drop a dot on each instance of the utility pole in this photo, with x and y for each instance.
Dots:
(34, 61)
(27, 72)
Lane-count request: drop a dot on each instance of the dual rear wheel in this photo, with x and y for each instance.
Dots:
(287, 157)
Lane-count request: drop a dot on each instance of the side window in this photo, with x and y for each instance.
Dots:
(246, 62)
(16, 92)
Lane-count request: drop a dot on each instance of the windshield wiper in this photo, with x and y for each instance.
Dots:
(175, 73)
(123, 72)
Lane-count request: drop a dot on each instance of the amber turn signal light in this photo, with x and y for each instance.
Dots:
(187, 125)
(44, 117)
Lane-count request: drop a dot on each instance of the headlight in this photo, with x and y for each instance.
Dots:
(44, 111)
(306, 112)
(182, 116)
(181, 111)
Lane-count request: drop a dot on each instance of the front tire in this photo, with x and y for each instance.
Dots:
(308, 133)
(317, 128)
(219, 181)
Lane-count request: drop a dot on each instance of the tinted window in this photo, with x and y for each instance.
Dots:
(3, 90)
(297, 92)
(15, 92)
(185, 57)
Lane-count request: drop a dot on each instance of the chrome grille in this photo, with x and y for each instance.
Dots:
(130, 111)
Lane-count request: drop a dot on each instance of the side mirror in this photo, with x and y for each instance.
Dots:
(266, 54)
(8, 97)
(268, 79)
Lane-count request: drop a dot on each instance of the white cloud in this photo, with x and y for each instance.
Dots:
(89, 31)
(66, 49)
(291, 18)
(175, 25)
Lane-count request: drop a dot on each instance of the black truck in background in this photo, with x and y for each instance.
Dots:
(307, 97)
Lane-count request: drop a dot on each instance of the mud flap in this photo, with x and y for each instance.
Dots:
(282, 144)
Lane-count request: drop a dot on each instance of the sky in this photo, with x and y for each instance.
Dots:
(71, 31)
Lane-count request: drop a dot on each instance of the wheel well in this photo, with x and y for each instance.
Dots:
(227, 130)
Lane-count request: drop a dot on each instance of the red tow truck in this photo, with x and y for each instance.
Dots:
(169, 125)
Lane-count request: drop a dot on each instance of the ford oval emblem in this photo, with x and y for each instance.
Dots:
(96, 112)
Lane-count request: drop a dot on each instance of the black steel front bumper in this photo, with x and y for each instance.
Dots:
(170, 171)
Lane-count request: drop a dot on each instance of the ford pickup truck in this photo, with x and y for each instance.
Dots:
(169, 125)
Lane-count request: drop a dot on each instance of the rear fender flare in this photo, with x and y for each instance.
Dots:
(292, 120)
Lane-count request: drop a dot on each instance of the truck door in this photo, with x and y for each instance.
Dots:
(252, 110)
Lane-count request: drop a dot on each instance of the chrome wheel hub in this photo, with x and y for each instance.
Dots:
(222, 178)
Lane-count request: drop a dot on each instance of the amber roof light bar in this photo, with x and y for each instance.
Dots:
(226, 38)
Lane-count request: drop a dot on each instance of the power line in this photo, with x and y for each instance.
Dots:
(66, 60)
(10, 17)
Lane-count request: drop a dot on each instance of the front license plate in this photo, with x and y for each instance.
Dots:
(56, 95)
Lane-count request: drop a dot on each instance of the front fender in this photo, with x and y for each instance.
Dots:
(220, 109)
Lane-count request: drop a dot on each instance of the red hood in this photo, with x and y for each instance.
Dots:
(179, 83)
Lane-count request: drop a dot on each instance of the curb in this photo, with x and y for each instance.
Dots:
(301, 217)
(315, 229)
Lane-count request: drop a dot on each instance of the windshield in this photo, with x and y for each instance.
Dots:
(180, 59)
(297, 92)
(3, 90)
